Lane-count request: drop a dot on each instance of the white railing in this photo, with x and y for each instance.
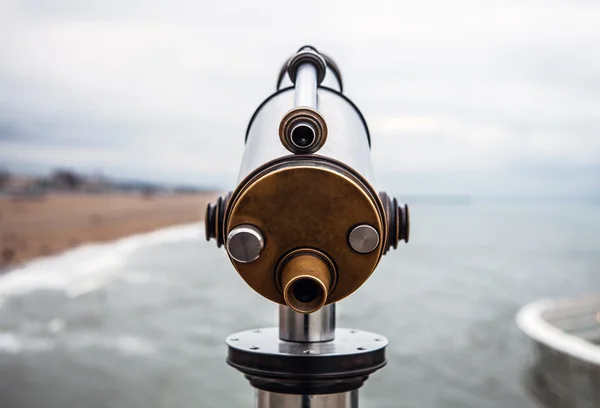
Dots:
(566, 336)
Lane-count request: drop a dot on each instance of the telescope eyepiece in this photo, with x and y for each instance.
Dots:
(306, 280)
(305, 294)
(302, 135)
(306, 290)
(303, 131)
(307, 55)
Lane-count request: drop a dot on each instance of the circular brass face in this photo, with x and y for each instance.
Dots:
(306, 203)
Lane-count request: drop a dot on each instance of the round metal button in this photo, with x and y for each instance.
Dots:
(364, 239)
(244, 243)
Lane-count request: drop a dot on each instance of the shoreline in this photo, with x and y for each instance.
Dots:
(89, 266)
(49, 225)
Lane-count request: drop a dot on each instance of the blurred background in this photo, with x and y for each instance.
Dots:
(484, 117)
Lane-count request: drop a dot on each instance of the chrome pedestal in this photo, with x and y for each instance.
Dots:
(306, 361)
(266, 399)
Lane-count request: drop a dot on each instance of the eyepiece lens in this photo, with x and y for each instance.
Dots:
(306, 290)
(302, 136)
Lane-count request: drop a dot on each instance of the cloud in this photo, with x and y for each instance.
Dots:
(164, 90)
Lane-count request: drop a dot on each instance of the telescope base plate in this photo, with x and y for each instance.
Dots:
(335, 366)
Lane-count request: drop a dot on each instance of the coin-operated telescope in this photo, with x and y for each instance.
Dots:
(305, 228)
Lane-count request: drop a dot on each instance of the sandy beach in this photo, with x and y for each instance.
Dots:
(40, 226)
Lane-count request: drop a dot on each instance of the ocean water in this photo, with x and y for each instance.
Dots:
(140, 322)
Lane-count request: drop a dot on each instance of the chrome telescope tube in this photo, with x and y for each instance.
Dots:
(348, 138)
(303, 133)
(305, 91)
(266, 399)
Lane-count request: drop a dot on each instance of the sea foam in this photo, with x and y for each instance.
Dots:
(87, 267)
(124, 344)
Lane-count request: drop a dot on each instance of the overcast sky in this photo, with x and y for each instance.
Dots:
(460, 96)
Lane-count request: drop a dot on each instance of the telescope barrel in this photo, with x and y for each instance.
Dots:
(306, 86)
(305, 226)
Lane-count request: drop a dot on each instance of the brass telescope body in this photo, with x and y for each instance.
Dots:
(305, 227)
